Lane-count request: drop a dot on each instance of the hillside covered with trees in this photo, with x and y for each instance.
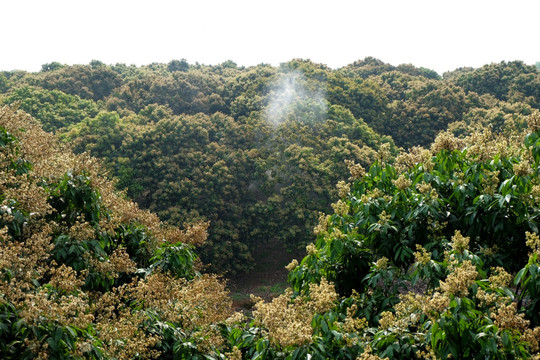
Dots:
(415, 195)
(258, 151)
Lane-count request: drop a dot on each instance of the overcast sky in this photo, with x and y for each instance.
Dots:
(437, 34)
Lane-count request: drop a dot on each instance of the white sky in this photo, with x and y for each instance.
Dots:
(437, 34)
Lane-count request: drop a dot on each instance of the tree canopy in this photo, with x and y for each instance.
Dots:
(257, 151)
(415, 196)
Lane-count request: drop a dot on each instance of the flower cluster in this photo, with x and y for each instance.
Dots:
(435, 304)
(287, 320)
(424, 188)
(533, 121)
(356, 170)
(322, 225)
(311, 249)
(522, 168)
(118, 262)
(387, 320)
(234, 354)
(408, 159)
(367, 355)
(446, 141)
(353, 324)
(490, 181)
(382, 263)
(402, 182)
(372, 194)
(533, 242)
(506, 317)
(340, 207)
(194, 234)
(422, 256)
(500, 278)
(123, 339)
(459, 242)
(343, 188)
(322, 297)
(459, 281)
(383, 218)
(64, 278)
(487, 298)
(288, 323)
(293, 264)
(532, 337)
(384, 153)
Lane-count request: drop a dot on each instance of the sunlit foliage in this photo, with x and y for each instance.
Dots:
(429, 252)
(84, 273)
(257, 151)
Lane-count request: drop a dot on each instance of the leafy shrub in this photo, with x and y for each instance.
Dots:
(84, 273)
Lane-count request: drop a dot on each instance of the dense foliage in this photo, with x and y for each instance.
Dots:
(435, 256)
(85, 274)
(428, 253)
(257, 151)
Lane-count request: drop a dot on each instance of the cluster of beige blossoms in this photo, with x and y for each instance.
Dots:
(367, 355)
(424, 188)
(446, 141)
(353, 324)
(287, 320)
(435, 304)
(382, 263)
(460, 279)
(490, 182)
(384, 153)
(194, 234)
(422, 256)
(483, 144)
(373, 194)
(322, 225)
(356, 170)
(117, 263)
(402, 182)
(409, 159)
(384, 218)
(459, 243)
(533, 121)
(293, 264)
(340, 207)
(406, 313)
(533, 242)
(343, 188)
(506, 317)
(500, 278)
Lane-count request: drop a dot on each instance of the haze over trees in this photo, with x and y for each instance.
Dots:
(415, 195)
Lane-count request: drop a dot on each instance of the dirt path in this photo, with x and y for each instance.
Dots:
(267, 280)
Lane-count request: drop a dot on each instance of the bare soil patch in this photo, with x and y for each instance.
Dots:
(269, 277)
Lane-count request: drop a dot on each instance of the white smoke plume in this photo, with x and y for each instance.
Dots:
(290, 97)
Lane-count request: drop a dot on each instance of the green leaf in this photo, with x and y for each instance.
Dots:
(324, 326)
(519, 275)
